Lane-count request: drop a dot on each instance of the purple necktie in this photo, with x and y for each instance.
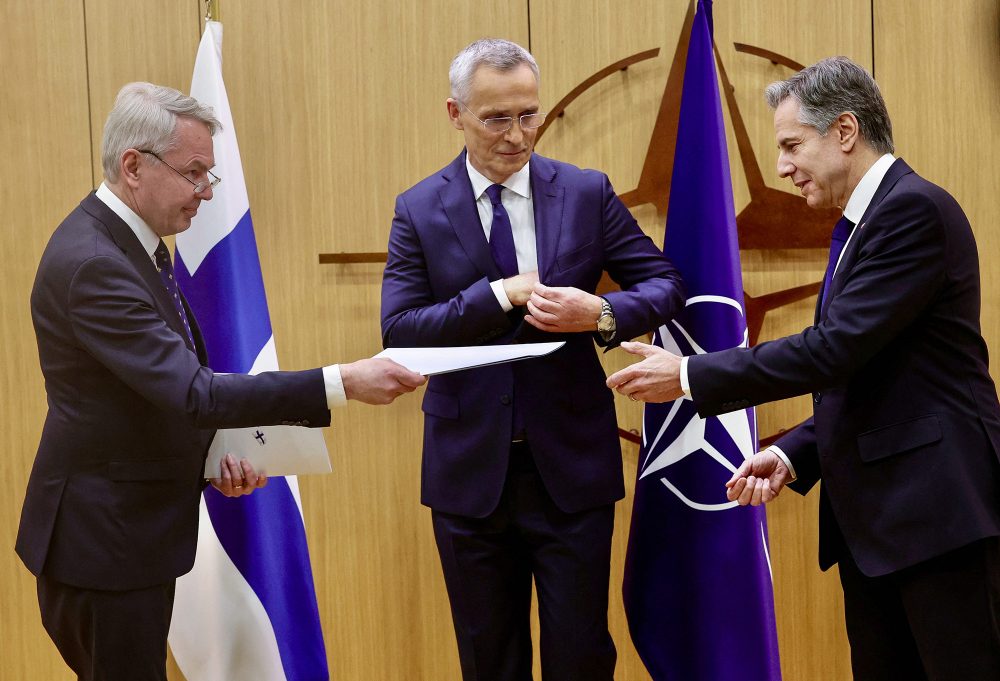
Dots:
(501, 235)
(166, 270)
(841, 232)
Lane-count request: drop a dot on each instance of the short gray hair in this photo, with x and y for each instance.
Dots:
(831, 87)
(145, 117)
(496, 53)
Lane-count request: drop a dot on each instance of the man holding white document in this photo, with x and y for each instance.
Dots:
(110, 515)
(522, 461)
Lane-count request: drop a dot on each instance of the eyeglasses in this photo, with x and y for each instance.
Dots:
(213, 180)
(502, 124)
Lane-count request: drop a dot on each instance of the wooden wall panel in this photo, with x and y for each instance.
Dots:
(939, 70)
(44, 132)
(152, 40)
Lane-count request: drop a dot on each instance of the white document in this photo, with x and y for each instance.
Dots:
(432, 361)
(274, 450)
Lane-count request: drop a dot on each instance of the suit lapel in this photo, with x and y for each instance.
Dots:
(896, 171)
(547, 197)
(459, 205)
(128, 242)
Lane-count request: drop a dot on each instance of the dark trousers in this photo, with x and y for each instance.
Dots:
(109, 635)
(488, 568)
(936, 621)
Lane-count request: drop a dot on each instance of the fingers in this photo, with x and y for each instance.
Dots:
(249, 475)
(741, 472)
(636, 348)
(733, 493)
(238, 478)
(409, 379)
(618, 379)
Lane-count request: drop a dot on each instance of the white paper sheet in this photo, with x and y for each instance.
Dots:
(432, 361)
(274, 450)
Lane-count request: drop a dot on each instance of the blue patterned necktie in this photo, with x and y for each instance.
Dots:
(501, 235)
(166, 270)
(841, 232)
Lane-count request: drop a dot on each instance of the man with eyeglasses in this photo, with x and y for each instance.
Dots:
(110, 516)
(522, 462)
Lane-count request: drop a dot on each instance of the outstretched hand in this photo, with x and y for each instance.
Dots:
(657, 378)
(759, 480)
(378, 381)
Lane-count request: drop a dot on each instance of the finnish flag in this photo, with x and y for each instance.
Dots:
(248, 608)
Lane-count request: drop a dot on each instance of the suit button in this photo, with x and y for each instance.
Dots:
(505, 399)
(817, 397)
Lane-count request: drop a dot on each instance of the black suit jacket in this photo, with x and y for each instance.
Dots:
(906, 425)
(112, 500)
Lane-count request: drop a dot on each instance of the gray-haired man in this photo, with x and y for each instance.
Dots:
(110, 515)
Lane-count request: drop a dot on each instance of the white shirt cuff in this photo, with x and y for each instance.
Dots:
(335, 395)
(685, 385)
(784, 459)
(501, 295)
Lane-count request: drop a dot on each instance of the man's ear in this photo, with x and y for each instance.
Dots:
(128, 168)
(848, 131)
(454, 113)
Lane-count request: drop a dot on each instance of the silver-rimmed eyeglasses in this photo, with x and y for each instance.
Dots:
(502, 124)
(210, 181)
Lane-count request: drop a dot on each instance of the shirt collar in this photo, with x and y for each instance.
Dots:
(519, 182)
(865, 191)
(147, 237)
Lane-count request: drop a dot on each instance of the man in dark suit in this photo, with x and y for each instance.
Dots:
(111, 511)
(905, 432)
(522, 463)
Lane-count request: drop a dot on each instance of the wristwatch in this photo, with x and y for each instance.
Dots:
(606, 322)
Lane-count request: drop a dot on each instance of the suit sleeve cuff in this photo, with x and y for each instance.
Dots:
(335, 395)
(784, 459)
(685, 384)
(501, 295)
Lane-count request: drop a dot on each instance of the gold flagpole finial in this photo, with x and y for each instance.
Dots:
(212, 10)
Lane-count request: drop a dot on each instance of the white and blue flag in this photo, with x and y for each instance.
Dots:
(248, 608)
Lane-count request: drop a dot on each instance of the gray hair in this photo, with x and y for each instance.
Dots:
(145, 117)
(831, 87)
(496, 53)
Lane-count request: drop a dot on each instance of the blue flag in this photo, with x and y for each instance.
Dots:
(248, 608)
(697, 584)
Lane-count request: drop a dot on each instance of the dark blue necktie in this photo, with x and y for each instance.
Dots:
(166, 270)
(504, 255)
(501, 235)
(841, 232)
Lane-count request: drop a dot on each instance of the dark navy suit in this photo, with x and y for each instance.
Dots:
(436, 292)
(905, 432)
(112, 500)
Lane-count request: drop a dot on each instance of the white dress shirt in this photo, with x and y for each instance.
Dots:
(335, 394)
(860, 199)
(516, 200)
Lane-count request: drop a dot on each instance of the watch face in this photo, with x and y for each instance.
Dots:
(606, 323)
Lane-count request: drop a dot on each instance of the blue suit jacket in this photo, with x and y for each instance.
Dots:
(112, 500)
(906, 426)
(436, 292)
